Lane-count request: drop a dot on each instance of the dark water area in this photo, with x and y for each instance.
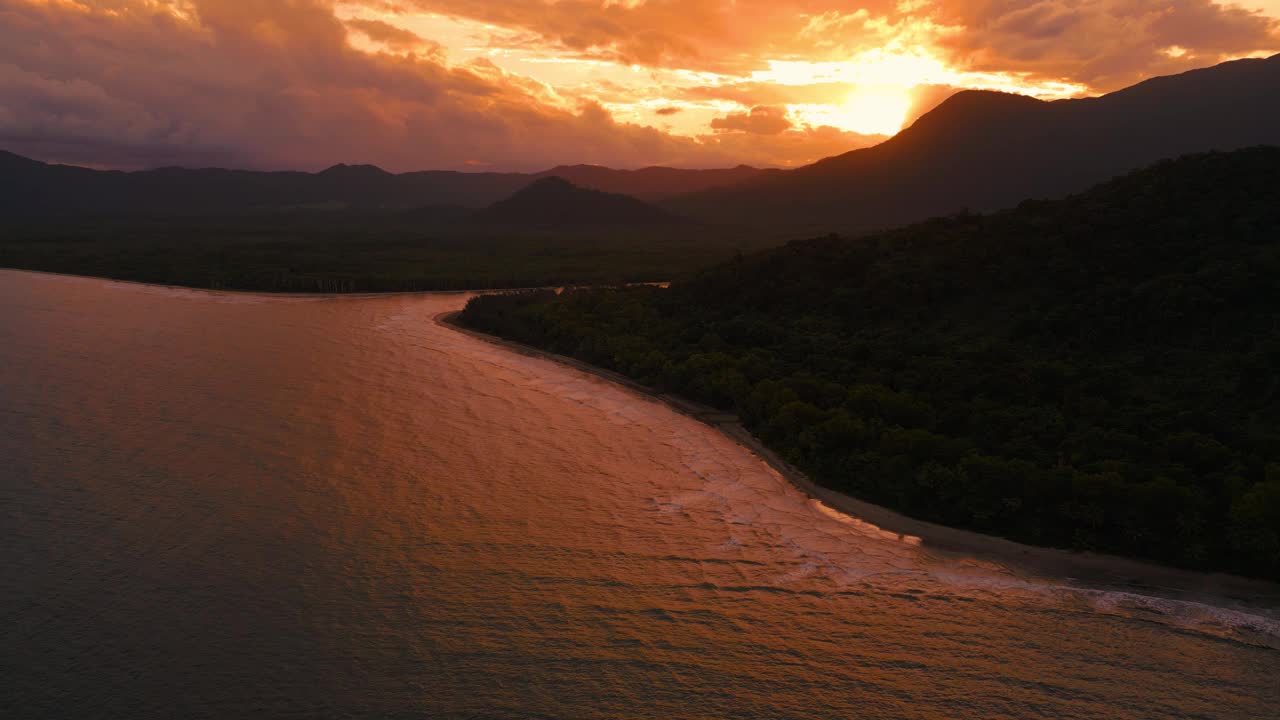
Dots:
(228, 505)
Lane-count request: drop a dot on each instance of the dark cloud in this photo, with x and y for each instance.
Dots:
(1105, 44)
(275, 84)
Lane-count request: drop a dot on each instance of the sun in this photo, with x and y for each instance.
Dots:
(873, 111)
(877, 110)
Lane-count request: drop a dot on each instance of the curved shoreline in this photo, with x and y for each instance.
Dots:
(320, 295)
(254, 293)
(1087, 567)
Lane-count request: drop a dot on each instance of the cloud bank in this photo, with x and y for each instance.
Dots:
(527, 84)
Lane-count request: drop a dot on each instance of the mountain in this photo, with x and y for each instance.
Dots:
(554, 202)
(35, 187)
(985, 150)
(654, 183)
(1097, 372)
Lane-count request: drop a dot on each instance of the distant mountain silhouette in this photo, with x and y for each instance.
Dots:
(34, 186)
(30, 186)
(654, 183)
(986, 150)
(978, 150)
(554, 202)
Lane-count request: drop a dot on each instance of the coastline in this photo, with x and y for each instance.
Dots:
(1071, 565)
(256, 293)
(323, 295)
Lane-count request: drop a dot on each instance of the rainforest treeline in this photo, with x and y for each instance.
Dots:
(1100, 372)
(353, 252)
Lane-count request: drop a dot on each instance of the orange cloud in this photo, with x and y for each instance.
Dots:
(1105, 44)
(761, 120)
(1101, 43)
(390, 35)
(527, 84)
(276, 84)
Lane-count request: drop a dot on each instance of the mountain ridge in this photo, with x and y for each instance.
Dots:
(555, 203)
(978, 150)
(34, 186)
(984, 150)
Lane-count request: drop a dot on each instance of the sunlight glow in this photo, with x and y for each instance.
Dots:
(870, 93)
(886, 81)
(878, 110)
(908, 69)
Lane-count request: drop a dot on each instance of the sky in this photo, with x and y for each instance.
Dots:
(528, 84)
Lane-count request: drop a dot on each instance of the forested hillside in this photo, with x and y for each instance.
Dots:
(1101, 372)
(350, 251)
